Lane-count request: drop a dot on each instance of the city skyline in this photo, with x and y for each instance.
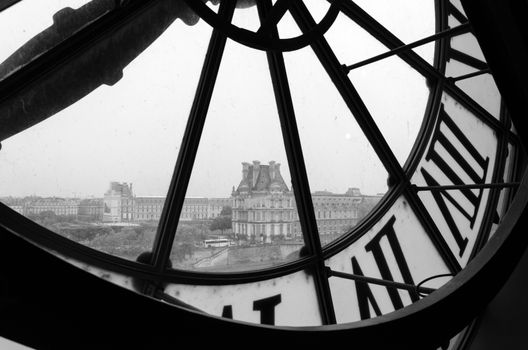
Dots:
(140, 194)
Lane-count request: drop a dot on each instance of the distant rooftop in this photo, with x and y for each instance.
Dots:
(261, 178)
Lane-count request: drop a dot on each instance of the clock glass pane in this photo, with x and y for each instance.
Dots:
(346, 36)
(398, 105)
(239, 212)
(340, 198)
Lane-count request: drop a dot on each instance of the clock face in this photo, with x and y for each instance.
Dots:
(297, 163)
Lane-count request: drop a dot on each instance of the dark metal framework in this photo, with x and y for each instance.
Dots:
(400, 176)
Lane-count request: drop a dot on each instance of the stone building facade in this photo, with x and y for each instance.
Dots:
(87, 209)
(59, 206)
(336, 213)
(121, 205)
(263, 205)
(118, 203)
(91, 209)
(147, 208)
(200, 208)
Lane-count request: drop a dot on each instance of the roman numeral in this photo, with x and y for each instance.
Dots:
(227, 311)
(442, 196)
(266, 307)
(453, 11)
(458, 55)
(467, 59)
(364, 294)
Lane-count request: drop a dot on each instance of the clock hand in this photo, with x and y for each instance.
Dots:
(387, 283)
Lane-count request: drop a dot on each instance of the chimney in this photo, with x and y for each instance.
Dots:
(245, 170)
(256, 171)
(272, 168)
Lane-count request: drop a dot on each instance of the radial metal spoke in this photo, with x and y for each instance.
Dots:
(297, 167)
(182, 173)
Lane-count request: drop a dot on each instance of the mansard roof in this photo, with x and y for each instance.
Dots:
(261, 178)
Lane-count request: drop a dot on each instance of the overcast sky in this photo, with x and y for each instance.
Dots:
(131, 132)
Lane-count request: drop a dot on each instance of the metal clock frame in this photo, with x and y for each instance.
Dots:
(313, 262)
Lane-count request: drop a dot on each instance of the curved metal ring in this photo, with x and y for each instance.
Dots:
(263, 42)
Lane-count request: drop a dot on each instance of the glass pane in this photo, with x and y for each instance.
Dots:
(462, 152)
(468, 44)
(426, 52)
(456, 69)
(287, 27)
(396, 96)
(32, 27)
(285, 301)
(399, 240)
(241, 163)
(342, 167)
(246, 17)
(483, 90)
(318, 9)
(409, 20)
(97, 172)
(482, 87)
(350, 42)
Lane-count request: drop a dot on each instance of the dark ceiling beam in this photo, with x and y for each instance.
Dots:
(76, 55)
(5, 4)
